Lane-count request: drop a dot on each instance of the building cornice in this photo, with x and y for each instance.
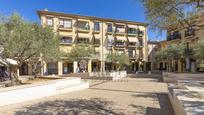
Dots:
(42, 12)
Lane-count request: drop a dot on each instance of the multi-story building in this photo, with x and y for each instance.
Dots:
(104, 34)
(152, 48)
(189, 35)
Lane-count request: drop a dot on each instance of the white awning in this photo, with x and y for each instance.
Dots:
(133, 26)
(11, 61)
(133, 39)
(121, 38)
(8, 61)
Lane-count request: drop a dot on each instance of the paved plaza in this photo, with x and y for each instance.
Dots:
(134, 96)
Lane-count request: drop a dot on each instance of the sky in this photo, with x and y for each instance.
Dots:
(131, 10)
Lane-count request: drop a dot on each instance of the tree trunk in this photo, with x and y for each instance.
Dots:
(11, 75)
(14, 77)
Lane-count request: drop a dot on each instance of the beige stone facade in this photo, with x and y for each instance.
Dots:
(189, 34)
(106, 35)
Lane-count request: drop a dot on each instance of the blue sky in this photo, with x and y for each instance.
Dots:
(118, 9)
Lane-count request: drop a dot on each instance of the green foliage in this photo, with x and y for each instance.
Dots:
(176, 51)
(81, 52)
(161, 13)
(198, 50)
(119, 59)
(24, 41)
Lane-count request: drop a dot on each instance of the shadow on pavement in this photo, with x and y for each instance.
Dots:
(165, 105)
(93, 106)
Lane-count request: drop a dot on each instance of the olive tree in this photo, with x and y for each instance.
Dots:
(175, 52)
(24, 41)
(120, 60)
(81, 53)
(162, 13)
(198, 51)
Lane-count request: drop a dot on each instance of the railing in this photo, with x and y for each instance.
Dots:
(120, 45)
(114, 75)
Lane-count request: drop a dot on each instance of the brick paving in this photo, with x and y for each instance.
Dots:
(137, 96)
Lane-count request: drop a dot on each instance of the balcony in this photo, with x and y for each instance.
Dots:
(83, 41)
(97, 42)
(175, 35)
(83, 26)
(65, 24)
(190, 32)
(120, 29)
(120, 44)
(132, 32)
(66, 41)
(132, 44)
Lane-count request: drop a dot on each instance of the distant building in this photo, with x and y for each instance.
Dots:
(152, 48)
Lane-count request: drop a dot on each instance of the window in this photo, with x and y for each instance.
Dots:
(83, 40)
(131, 53)
(50, 21)
(83, 25)
(110, 27)
(140, 54)
(96, 26)
(174, 35)
(140, 33)
(66, 40)
(140, 43)
(65, 23)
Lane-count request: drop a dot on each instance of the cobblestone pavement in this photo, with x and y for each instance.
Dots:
(135, 96)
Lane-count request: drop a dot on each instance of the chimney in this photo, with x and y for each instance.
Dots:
(45, 9)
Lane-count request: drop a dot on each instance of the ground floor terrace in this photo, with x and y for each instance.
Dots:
(187, 65)
(66, 67)
(137, 96)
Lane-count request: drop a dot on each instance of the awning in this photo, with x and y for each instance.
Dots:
(133, 39)
(133, 26)
(7, 61)
(121, 38)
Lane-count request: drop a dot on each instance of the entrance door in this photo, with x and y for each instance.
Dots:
(24, 69)
(67, 68)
